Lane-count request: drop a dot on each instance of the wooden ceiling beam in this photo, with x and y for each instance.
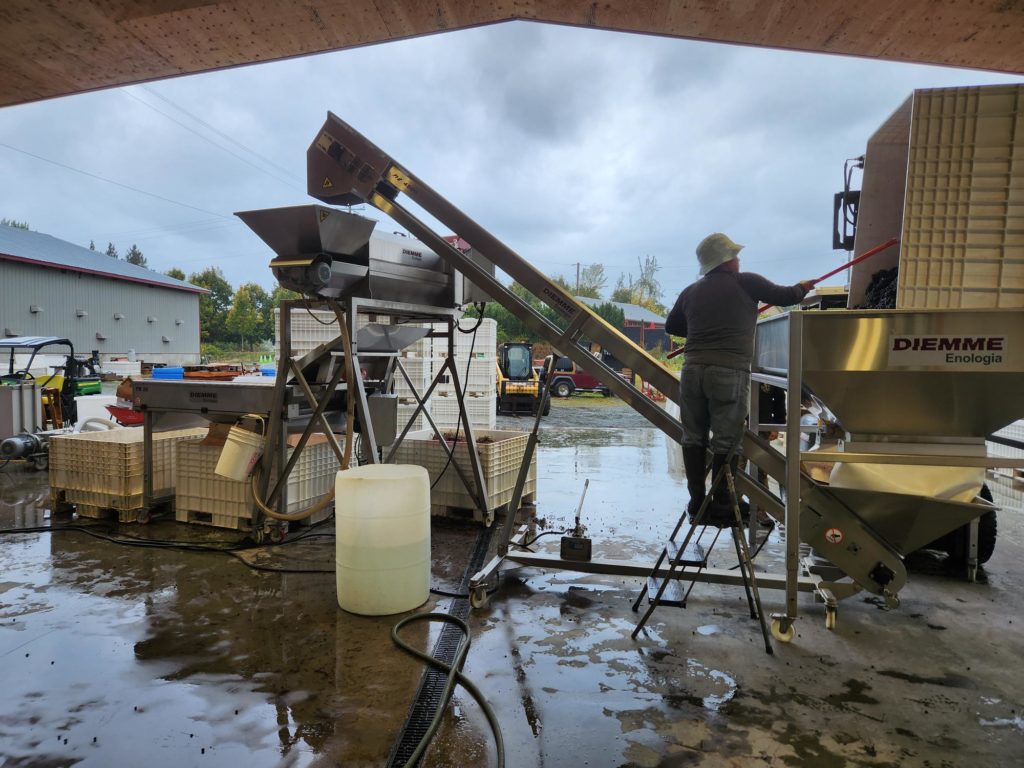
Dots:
(56, 48)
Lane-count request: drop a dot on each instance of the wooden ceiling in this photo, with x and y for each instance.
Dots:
(57, 47)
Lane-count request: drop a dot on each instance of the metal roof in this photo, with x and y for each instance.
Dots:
(631, 311)
(36, 248)
(31, 342)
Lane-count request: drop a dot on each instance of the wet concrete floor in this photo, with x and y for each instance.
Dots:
(125, 656)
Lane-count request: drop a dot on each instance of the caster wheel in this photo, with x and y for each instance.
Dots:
(276, 535)
(142, 516)
(258, 535)
(830, 618)
(478, 598)
(780, 634)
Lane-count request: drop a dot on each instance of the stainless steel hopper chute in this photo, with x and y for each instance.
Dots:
(332, 254)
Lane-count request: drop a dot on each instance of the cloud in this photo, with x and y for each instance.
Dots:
(571, 145)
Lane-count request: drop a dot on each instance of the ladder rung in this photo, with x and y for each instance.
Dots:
(694, 554)
(674, 595)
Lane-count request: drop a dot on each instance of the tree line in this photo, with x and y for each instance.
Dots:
(227, 315)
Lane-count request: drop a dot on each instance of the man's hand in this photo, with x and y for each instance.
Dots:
(807, 285)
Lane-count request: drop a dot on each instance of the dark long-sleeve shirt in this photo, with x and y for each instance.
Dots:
(717, 314)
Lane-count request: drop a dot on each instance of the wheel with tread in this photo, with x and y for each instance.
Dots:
(779, 634)
(478, 598)
(563, 388)
(276, 534)
(258, 535)
(40, 463)
(547, 407)
(142, 516)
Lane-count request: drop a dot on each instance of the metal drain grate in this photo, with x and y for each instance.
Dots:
(428, 696)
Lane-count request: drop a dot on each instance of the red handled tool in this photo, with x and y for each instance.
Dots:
(826, 276)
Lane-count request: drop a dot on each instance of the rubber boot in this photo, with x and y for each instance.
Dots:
(720, 509)
(695, 468)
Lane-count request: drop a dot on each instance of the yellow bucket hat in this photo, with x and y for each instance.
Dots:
(716, 249)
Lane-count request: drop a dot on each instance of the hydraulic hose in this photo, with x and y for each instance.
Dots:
(350, 415)
(454, 676)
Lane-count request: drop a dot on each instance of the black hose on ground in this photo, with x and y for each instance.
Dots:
(454, 676)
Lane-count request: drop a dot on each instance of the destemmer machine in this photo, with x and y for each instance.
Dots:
(843, 356)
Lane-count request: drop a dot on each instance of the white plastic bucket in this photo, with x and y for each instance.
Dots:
(242, 449)
(382, 518)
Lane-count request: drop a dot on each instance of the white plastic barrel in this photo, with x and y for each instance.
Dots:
(382, 517)
(242, 450)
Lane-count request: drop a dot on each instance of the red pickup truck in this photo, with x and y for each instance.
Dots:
(567, 377)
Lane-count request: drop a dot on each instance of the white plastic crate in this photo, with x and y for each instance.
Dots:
(501, 454)
(962, 244)
(105, 469)
(310, 329)
(483, 374)
(405, 411)
(421, 372)
(480, 409)
(205, 497)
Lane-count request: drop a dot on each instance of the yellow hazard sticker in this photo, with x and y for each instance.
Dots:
(324, 213)
(328, 184)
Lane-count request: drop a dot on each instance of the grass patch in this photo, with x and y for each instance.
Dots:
(585, 400)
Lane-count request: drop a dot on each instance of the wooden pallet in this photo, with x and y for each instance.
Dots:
(231, 522)
(105, 513)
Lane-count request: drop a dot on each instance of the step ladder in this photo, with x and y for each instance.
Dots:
(688, 558)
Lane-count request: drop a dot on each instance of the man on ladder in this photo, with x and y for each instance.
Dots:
(717, 315)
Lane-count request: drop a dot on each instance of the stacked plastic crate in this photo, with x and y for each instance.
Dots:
(501, 455)
(310, 329)
(418, 362)
(476, 363)
(102, 473)
(206, 498)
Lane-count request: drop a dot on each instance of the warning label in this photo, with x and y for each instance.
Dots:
(834, 536)
(328, 184)
(324, 213)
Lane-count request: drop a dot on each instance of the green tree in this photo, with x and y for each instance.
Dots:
(592, 281)
(613, 314)
(264, 308)
(176, 273)
(13, 223)
(134, 256)
(92, 245)
(213, 306)
(280, 293)
(645, 291)
(243, 319)
(111, 251)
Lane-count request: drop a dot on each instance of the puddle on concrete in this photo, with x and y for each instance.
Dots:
(166, 654)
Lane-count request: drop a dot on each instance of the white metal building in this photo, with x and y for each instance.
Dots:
(50, 287)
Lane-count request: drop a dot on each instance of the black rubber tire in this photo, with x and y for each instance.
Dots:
(563, 388)
(547, 407)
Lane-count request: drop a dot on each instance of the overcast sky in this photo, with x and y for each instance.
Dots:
(570, 145)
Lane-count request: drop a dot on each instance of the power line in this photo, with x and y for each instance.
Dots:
(210, 141)
(220, 133)
(115, 183)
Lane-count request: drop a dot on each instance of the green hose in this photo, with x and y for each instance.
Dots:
(454, 676)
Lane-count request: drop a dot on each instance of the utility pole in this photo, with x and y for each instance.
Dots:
(577, 278)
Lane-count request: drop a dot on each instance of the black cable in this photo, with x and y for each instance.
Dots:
(454, 676)
(309, 311)
(545, 533)
(760, 546)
